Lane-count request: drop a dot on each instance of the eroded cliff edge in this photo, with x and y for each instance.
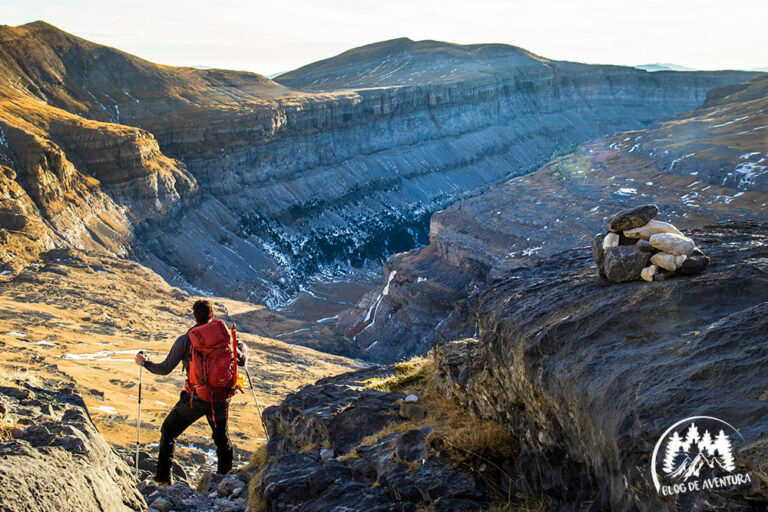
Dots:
(588, 375)
(584, 374)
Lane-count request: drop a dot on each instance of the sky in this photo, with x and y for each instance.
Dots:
(277, 36)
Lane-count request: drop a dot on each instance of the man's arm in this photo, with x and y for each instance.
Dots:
(172, 360)
(242, 353)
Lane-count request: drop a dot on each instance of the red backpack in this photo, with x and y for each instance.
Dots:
(213, 362)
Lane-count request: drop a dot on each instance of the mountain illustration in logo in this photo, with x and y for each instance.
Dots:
(686, 456)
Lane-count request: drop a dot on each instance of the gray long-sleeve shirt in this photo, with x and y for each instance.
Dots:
(180, 353)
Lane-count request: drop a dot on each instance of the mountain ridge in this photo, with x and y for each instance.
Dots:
(283, 187)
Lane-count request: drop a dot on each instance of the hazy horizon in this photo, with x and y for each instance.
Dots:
(271, 39)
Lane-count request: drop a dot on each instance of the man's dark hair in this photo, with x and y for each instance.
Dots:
(202, 310)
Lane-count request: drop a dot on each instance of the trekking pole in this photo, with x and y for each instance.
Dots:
(138, 420)
(253, 392)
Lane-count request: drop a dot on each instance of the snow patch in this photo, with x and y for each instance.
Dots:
(530, 251)
(103, 355)
(107, 409)
(731, 122)
(627, 191)
(41, 342)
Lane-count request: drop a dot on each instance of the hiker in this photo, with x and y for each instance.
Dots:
(190, 406)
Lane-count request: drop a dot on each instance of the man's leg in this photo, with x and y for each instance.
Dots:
(220, 433)
(180, 417)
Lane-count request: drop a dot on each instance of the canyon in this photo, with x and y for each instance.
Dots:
(704, 166)
(476, 174)
(232, 184)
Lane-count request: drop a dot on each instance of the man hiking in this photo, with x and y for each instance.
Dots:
(206, 354)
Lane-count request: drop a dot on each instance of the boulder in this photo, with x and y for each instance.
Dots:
(648, 272)
(412, 411)
(632, 218)
(394, 472)
(672, 243)
(653, 227)
(59, 463)
(411, 445)
(624, 263)
(610, 240)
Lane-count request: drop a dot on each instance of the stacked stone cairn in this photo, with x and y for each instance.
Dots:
(635, 246)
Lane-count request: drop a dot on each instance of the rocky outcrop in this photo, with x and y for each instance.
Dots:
(589, 376)
(319, 459)
(273, 184)
(691, 167)
(53, 458)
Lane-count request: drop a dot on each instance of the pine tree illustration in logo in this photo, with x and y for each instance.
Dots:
(674, 448)
(723, 447)
(685, 457)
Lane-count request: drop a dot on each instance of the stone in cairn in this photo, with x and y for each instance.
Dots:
(624, 263)
(667, 261)
(645, 245)
(632, 218)
(610, 240)
(635, 246)
(694, 264)
(649, 272)
(652, 228)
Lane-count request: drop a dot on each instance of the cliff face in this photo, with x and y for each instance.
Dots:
(56, 459)
(256, 186)
(589, 375)
(701, 167)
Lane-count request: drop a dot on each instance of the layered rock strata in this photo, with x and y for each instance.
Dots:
(589, 375)
(261, 186)
(705, 166)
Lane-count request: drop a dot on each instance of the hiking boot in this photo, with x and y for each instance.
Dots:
(161, 482)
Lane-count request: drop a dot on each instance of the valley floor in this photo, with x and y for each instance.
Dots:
(81, 318)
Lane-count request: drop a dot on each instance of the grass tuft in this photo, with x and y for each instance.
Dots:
(410, 373)
(258, 459)
(6, 430)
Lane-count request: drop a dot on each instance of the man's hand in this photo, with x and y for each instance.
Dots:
(140, 358)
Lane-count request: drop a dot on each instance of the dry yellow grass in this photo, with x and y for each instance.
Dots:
(258, 458)
(83, 323)
(458, 436)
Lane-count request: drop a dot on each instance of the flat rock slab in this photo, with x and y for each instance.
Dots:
(632, 218)
(653, 227)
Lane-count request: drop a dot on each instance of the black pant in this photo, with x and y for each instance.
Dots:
(182, 416)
